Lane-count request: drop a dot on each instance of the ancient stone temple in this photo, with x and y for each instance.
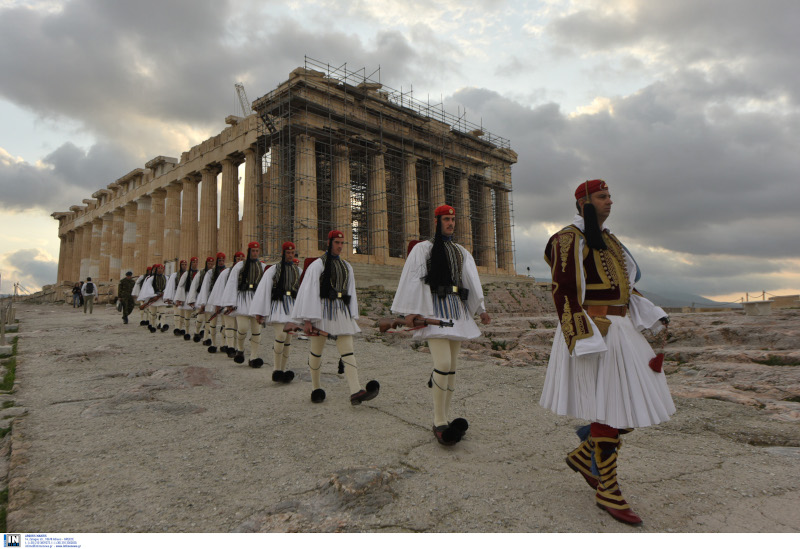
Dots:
(326, 149)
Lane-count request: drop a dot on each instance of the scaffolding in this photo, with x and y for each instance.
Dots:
(339, 150)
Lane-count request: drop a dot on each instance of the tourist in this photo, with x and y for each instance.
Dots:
(273, 303)
(326, 304)
(440, 281)
(76, 295)
(599, 370)
(89, 292)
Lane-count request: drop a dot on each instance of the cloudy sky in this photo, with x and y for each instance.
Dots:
(689, 109)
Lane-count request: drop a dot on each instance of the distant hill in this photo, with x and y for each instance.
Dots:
(670, 298)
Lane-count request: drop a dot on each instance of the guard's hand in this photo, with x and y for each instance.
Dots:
(485, 318)
(410, 320)
(260, 319)
(230, 309)
(308, 329)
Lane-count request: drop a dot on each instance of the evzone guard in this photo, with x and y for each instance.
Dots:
(440, 281)
(237, 298)
(192, 299)
(601, 368)
(171, 290)
(326, 302)
(273, 302)
(183, 311)
(137, 289)
(206, 308)
(152, 297)
(215, 298)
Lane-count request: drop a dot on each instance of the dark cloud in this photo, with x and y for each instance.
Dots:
(67, 176)
(24, 267)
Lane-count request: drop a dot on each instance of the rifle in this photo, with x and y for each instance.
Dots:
(152, 300)
(291, 327)
(390, 325)
(216, 313)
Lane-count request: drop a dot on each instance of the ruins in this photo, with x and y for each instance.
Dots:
(328, 148)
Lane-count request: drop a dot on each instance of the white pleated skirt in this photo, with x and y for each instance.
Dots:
(616, 387)
(336, 318)
(243, 300)
(282, 310)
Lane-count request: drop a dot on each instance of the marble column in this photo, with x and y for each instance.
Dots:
(172, 223)
(410, 200)
(437, 186)
(141, 253)
(105, 248)
(252, 168)
(228, 236)
(115, 255)
(463, 216)
(62, 258)
(86, 249)
(189, 246)
(127, 262)
(486, 246)
(94, 258)
(305, 197)
(77, 254)
(377, 209)
(342, 214)
(505, 253)
(69, 270)
(207, 228)
(156, 237)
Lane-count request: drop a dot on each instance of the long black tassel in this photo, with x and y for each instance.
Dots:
(594, 237)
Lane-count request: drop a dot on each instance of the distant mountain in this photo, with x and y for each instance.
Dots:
(670, 298)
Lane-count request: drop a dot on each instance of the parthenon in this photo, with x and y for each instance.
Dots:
(328, 148)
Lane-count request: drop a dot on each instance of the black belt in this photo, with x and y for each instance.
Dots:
(442, 291)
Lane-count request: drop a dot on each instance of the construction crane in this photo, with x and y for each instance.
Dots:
(243, 101)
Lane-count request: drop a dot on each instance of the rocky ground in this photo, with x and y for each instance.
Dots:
(114, 429)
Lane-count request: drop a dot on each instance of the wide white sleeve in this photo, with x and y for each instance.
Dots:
(645, 315)
(351, 290)
(229, 292)
(471, 281)
(261, 303)
(215, 297)
(308, 304)
(194, 289)
(169, 289)
(205, 289)
(137, 287)
(413, 296)
(180, 293)
(147, 290)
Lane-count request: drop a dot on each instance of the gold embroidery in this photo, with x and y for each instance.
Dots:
(566, 320)
(616, 267)
(565, 241)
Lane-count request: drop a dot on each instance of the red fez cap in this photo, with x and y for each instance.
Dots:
(296, 260)
(183, 262)
(253, 245)
(209, 258)
(220, 255)
(444, 209)
(194, 259)
(288, 246)
(238, 254)
(335, 234)
(588, 187)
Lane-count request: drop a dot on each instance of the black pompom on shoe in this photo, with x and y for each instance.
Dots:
(223, 349)
(239, 358)
(373, 387)
(188, 337)
(445, 435)
(142, 323)
(317, 396)
(277, 376)
(197, 338)
(256, 363)
(459, 425)
(288, 376)
(152, 329)
(207, 342)
(176, 332)
(212, 349)
(165, 327)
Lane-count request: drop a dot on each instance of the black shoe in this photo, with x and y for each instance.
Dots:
(277, 376)
(239, 358)
(142, 323)
(124, 319)
(202, 333)
(445, 435)
(212, 349)
(230, 351)
(207, 342)
(176, 331)
(223, 349)
(152, 329)
(317, 396)
(188, 337)
(288, 376)
(373, 388)
(255, 363)
(197, 338)
(165, 327)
